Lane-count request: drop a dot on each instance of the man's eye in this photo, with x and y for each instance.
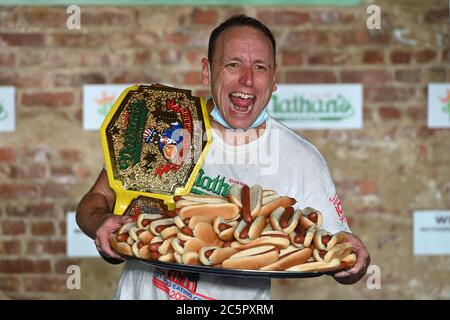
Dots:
(233, 65)
(260, 67)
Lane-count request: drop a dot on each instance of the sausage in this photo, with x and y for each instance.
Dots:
(326, 239)
(313, 217)
(245, 199)
(224, 226)
(208, 253)
(122, 237)
(286, 216)
(160, 228)
(187, 231)
(245, 230)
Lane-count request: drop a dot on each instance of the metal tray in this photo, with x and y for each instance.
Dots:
(229, 272)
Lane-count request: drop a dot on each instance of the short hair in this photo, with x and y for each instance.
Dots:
(239, 21)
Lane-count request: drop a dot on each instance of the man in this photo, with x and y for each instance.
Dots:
(248, 148)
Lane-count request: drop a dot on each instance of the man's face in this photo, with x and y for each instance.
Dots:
(243, 75)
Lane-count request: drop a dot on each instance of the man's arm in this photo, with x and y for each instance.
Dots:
(95, 218)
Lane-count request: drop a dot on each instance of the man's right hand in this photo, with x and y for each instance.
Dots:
(110, 224)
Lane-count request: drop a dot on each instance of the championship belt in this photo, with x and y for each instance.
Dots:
(154, 141)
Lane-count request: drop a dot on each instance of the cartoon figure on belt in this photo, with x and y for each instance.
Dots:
(169, 140)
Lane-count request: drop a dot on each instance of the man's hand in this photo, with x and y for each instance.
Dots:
(354, 274)
(109, 225)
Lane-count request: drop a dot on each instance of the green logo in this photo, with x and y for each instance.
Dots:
(105, 103)
(3, 112)
(446, 101)
(204, 183)
(300, 108)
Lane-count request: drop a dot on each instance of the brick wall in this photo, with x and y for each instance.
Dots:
(383, 172)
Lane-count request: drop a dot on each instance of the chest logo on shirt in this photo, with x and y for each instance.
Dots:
(205, 184)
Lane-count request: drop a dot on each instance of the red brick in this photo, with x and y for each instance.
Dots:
(55, 191)
(22, 39)
(7, 59)
(192, 78)
(178, 38)
(141, 39)
(9, 284)
(366, 76)
(446, 55)
(45, 17)
(143, 57)
(82, 172)
(39, 247)
(416, 113)
(120, 17)
(31, 172)
(43, 228)
(7, 155)
(423, 152)
(78, 40)
(63, 226)
(24, 266)
(283, 18)
(205, 17)
(424, 56)
(389, 113)
(30, 210)
(437, 15)
(78, 80)
(63, 174)
(10, 247)
(388, 94)
(8, 191)
(45, 284)
(170, 56)
(292, 59)
(436, 74)
(70, 155)
(304, 39)
(327, 58)
(373, 56)
(61, 265)
(310, 77)
(407, 75)
(194, 56)
(328, 17)
(401, 57)
(48, 99)
(367, 187)
(13, 227)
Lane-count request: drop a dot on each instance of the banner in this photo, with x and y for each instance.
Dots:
(439, 105)
(7, 109)
(318, 106)
(97, 101)
(432, 232)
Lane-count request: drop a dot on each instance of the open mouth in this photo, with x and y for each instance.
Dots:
(242, 103)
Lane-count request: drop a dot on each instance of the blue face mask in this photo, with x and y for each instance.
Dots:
(217, 116)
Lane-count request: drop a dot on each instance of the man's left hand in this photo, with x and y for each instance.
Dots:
(359, 269)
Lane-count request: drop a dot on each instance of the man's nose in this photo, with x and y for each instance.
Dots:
(246, 77)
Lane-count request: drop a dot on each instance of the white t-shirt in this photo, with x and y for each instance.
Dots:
(280, 160)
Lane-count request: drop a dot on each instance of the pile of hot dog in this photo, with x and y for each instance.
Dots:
(251, 229)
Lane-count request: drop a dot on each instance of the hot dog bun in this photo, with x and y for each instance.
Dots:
(121, 247)
(256, 195)
(228, 211)
(289, 257)
(234, 195)
(252, 259)
(267, 237)
(277, 217)
(321, 266)
(216, 256)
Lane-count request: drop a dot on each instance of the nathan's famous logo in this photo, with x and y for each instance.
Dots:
(312, 107)
(174, 140)
(3, 112)
(217, 185)
(136, 118)
(105, 103)
(446, 101)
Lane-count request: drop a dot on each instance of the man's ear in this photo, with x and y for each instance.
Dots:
(205, 72)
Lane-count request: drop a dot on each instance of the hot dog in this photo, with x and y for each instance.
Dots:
(245, 232)
(144, 220)
(121, 247)
(141, 235)
(268, 196)
(302, 238)
(234, 195)
(191, 258)
(285, 219)
(348, 261)
(321, 239)
(253, 258)
(201, 199)
(311, 216)
(215, 255)
(141, 250)
(267, 237)
(224, 229)
(165, 228)
(289, 257)
(245, 200)
(269, 207)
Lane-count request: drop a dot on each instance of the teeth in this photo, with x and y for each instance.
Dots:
(242, 95)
